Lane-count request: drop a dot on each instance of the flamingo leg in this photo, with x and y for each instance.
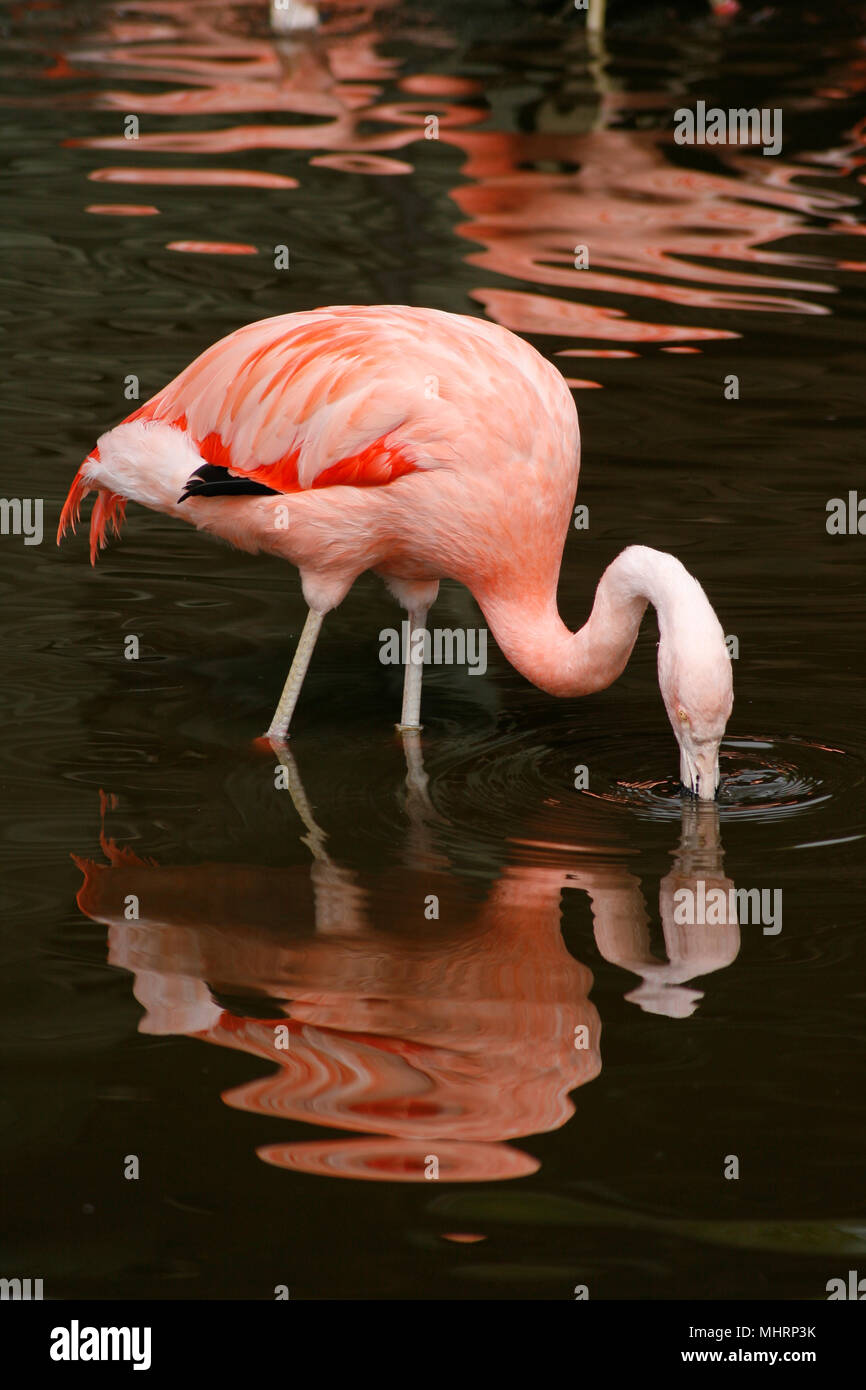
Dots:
(596, 14)
(410, 717)
(339, 904)
(291, 690)
(315, 838)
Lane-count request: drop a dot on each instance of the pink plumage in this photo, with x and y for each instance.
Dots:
(422, 445)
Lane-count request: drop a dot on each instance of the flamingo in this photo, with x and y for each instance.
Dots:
(422, 445)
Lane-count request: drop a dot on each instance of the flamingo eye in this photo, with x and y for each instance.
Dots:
(681, 714)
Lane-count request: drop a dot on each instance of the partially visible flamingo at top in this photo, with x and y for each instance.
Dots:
(422, 445)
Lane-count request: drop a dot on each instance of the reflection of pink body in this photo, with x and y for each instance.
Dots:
(449, 1041)
(446, 1039)
(651, 230)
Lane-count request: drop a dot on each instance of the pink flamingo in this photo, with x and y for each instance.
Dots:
(422, 445)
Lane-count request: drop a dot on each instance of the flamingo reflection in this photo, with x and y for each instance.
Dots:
(400, 1006)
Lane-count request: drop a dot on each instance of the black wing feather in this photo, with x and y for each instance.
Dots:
(212, 481)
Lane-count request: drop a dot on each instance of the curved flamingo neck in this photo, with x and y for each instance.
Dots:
(531, 634)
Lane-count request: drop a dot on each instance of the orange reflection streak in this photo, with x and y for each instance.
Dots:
(656, 230)
(334, 79)
(123, 209)
(236, 139)
(536, 313)
(402, 1160)
(205, 178)
(361, 164)
(639, 217)
(213, 248)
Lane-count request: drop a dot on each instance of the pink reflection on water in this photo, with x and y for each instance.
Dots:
(651, 229)
(214, 248)
(440, 84)
(361, 164)
(123, 209)
(698, 240)
(403, 1160)
(601, 352)
(537, 313)
(447, 1043)
(186, 178)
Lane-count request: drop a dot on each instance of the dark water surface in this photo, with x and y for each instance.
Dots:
(601, 1164)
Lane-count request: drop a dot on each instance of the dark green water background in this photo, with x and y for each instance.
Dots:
(750, 1045)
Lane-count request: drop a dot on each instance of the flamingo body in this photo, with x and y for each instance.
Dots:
(419, 444)
(360, 397)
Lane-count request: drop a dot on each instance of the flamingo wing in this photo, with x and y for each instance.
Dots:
(356, 395)
(303, 401)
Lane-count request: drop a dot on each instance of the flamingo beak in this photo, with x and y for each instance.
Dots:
(699, 771)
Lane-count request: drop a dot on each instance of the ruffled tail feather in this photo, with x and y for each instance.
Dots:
(109, 509)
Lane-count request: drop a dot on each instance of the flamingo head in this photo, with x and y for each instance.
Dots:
(697, 687)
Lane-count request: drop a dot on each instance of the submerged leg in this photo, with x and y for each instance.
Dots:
(291, 690)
